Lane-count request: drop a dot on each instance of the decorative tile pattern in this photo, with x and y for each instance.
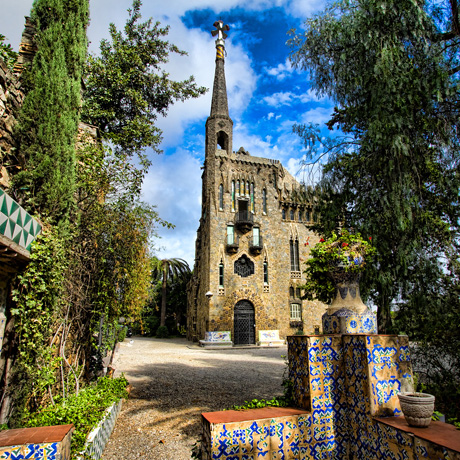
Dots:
(341, 382)
(218, 336)
(346, 321)
(15, 223)
(98, 437)
(48, 451)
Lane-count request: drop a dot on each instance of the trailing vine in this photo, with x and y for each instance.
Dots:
(38, 296)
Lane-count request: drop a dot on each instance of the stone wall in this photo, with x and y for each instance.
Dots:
(11, 99)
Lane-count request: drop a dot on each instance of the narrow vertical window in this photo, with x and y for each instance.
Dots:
(307, 216)
(247, 188)
(253, 209)
(221, 197)
(294, 252)
(297, 293)
(283, 214)
(221, 274)
(264, 201)
(291, 214)
(237, 188)
(265, 271)
(296, 312)
(291, 292)
(233, 195)
(230, 235)
(256, 236)
(296, 246)
(300, 216)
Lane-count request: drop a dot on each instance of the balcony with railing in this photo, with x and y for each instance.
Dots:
(232, 243)
(244, 220)
(256, 244)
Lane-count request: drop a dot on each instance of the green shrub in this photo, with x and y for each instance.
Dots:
(162, 332)
(122, 333)
(84, 409)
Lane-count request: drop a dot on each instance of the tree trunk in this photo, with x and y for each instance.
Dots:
(384, 315)
(163, 296)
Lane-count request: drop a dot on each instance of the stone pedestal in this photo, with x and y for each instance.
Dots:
(347, 314)
(346, 321)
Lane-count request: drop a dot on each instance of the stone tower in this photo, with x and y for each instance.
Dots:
(252, 239)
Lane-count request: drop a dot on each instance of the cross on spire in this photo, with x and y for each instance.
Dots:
(220, 32)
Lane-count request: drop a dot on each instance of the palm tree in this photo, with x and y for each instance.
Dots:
(168, 269)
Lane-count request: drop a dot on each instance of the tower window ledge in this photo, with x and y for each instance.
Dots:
(296, 275)
(266, 288)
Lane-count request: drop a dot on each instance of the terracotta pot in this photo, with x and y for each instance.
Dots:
(417, 408)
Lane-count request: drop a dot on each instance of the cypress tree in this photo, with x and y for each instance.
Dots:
(48, 122)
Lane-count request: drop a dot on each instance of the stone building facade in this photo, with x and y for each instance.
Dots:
(253, 239)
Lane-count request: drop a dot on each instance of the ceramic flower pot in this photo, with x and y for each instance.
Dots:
(417, 408)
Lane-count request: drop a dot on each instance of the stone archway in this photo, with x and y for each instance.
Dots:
(244, 328)
(260, 315)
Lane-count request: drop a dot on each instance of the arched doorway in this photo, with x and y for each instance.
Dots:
(244, 323)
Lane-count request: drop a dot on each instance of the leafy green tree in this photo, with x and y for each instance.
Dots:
(394, 174)
(7, 53)
(168, 269)
(126, 88)
(50, 115)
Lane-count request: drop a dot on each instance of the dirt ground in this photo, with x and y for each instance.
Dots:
(174, 381)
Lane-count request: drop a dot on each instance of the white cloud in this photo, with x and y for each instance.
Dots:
(174, 185)
(281, 98)
(281, 71)
(318, 115)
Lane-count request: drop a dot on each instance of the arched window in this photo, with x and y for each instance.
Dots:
(291, 292)
(307, 216)
(291, 214)
(253, 208)
(264, 201)
(221, 274)
(265, 271)
(233, 195)
(246, 192)
(294, 252)
(222, 140)
(283, 214)
(300, 215)
(221, 197)
(237, 188)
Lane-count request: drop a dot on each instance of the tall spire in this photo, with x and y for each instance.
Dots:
(219, 105)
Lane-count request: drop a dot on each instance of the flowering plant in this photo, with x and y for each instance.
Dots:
(345, 253)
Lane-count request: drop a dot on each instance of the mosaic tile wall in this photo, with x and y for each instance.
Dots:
(98, 438)
(47, 451)
(218, 336)
(342, 382)
(15, 223)
(274, 439)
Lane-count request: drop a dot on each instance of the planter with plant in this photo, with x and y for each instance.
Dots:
(333, 273)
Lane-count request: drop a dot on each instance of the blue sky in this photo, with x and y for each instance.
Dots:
(266, 96)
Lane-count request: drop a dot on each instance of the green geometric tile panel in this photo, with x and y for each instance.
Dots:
(16, 223)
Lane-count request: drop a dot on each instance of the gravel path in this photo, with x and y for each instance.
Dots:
(174, 381)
